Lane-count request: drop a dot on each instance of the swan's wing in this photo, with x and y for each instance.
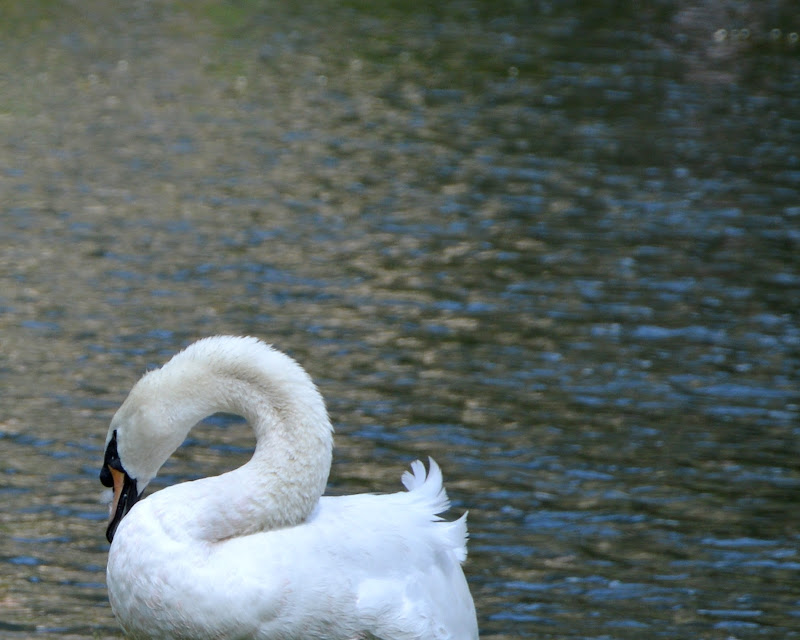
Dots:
(363, 566)
(408, 579)
(382, 566)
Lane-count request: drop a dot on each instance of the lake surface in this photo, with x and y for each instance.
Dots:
(552, 245)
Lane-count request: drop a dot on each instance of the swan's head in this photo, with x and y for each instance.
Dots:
(144, 432)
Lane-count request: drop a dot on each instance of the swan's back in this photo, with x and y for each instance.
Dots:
(384, 565)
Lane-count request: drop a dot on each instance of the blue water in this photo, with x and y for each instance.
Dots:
(554, 247)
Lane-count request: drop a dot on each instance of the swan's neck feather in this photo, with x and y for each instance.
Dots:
(282, 482)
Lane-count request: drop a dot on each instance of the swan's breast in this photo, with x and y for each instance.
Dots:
(163, 585)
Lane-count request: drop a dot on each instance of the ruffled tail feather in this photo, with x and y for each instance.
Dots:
(428, 489)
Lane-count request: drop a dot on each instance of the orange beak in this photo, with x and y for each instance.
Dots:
(125, 496)
(113, 474)
(119, 483)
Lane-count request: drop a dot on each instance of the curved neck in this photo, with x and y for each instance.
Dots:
(282, 482)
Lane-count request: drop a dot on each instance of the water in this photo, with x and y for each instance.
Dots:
(555, 247)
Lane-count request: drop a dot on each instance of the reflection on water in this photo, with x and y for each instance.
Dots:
(553, 247)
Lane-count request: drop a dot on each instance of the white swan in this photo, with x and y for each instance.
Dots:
(256, 553)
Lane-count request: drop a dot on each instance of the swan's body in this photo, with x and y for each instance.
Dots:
(256, 553)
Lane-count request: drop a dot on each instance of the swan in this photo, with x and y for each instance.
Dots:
(258, 553)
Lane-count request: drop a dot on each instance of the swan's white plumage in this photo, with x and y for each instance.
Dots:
(256, 552)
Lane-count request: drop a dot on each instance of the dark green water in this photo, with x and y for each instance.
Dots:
(553, 246)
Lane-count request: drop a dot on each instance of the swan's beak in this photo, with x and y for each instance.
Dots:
(113, 474)
(125, 496)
